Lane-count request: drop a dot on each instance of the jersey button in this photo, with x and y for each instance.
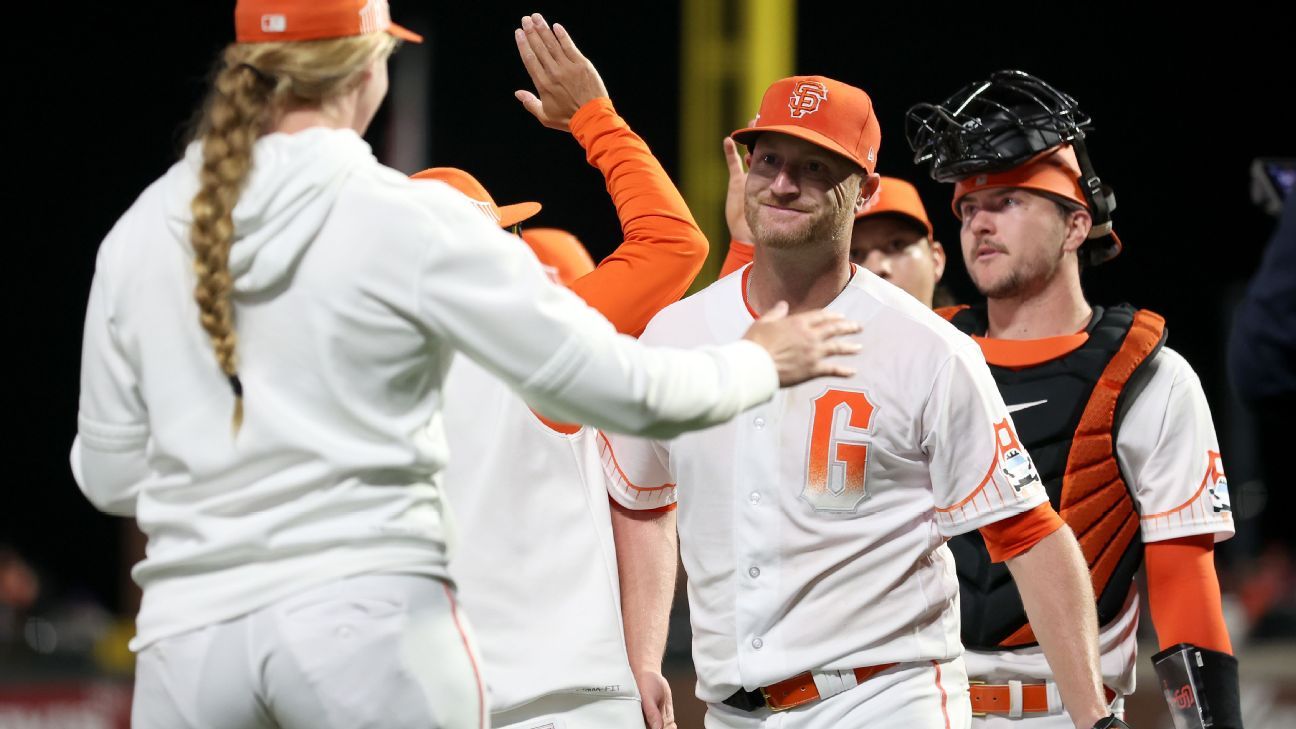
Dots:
(757, 643)
(754, 572)
(754, 497)
(759, 423)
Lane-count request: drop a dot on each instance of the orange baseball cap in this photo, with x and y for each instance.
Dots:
(505, 216)
(1055, 171)
(831, 114)
(895, 196)
(261, 21)
(560, 252)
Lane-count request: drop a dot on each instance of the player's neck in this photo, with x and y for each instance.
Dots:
(1057, 309)
(806, 278)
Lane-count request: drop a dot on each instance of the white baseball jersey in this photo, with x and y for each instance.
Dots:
(535, 562)
(812, 527)
(1169, 454)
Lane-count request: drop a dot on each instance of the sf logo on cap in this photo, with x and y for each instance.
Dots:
(806, 98)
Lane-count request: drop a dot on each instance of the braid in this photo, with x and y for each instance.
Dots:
(238, 108)
(253, 83)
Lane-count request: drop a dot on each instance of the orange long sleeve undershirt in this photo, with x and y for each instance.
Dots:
(1184, 594)
(740, 254)
(663, 248)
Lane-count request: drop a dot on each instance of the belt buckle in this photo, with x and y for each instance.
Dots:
(769, 704)
(972, 683)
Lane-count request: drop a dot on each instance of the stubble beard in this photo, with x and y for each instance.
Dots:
(820, 230)
(1031, 276)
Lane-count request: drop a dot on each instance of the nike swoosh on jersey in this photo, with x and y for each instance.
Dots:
(1024, 405)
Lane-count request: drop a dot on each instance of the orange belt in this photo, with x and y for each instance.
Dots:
(989, 698)
(800, 689)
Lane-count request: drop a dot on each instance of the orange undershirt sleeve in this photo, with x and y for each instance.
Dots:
(740, 254)
(663, 249)
(1010, 537)
(1184, 594)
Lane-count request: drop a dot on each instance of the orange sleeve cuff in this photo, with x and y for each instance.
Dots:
(1010, 537)
(1184, 594)
(740, 254)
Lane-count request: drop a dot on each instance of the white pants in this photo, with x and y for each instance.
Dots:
(572, 711)
(367, 651)
(932, 695)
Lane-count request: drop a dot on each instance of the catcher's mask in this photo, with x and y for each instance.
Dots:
(1002, 123)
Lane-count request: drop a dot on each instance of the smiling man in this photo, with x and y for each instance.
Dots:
(812, 529)
(1117, 422)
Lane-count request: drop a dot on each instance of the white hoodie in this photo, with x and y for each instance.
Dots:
(353, 285)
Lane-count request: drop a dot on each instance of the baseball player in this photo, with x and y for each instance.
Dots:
(528, 492)
(892, 235)
(266, 337)
(812, 528)
(1117, 421)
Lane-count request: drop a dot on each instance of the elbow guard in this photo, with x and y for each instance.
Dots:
(1201, 687)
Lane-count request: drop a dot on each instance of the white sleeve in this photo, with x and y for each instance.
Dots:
(980, 472)
(638, 471)
(483, 291)
(1166, 445)
(109, 453)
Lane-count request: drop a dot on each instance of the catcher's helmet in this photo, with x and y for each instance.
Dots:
(1004, 122)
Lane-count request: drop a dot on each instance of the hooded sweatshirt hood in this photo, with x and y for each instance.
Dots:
(294, 181)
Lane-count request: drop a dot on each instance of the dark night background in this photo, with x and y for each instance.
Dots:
(1182, 106)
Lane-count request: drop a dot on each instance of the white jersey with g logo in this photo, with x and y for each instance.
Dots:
(813, 527)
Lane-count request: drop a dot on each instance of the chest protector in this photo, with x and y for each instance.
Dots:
(1066, 406)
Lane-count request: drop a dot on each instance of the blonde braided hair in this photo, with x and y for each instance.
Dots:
(253, 83)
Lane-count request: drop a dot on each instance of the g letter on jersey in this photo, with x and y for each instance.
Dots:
(838, 450)
(806, 98)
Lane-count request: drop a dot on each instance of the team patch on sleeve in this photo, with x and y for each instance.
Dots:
(1010, 485)
(1208, 509)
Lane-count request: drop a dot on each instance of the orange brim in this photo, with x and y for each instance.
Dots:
(744, 137)
(404, 33)
(511, 215)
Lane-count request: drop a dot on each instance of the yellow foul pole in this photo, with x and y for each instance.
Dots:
(730, 52)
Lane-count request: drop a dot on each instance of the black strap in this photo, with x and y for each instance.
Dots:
(746, 700)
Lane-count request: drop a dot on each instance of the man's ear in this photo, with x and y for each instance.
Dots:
(1078, 224)
(868, 188)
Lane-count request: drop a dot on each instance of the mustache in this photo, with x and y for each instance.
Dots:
(992, 244)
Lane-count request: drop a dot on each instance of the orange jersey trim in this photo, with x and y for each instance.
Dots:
(1008, 538)
(747, 275)
(989, 478)
(1021, 353)
(944, 698)
(554, 425)
(607, 446)
(1184, 594)
(1212, 458)
(472, 658)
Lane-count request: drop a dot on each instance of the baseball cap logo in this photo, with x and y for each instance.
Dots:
(273, 23)
(806, 98)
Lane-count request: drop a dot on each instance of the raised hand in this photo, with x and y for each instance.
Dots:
(564, 79)
(735, 199)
